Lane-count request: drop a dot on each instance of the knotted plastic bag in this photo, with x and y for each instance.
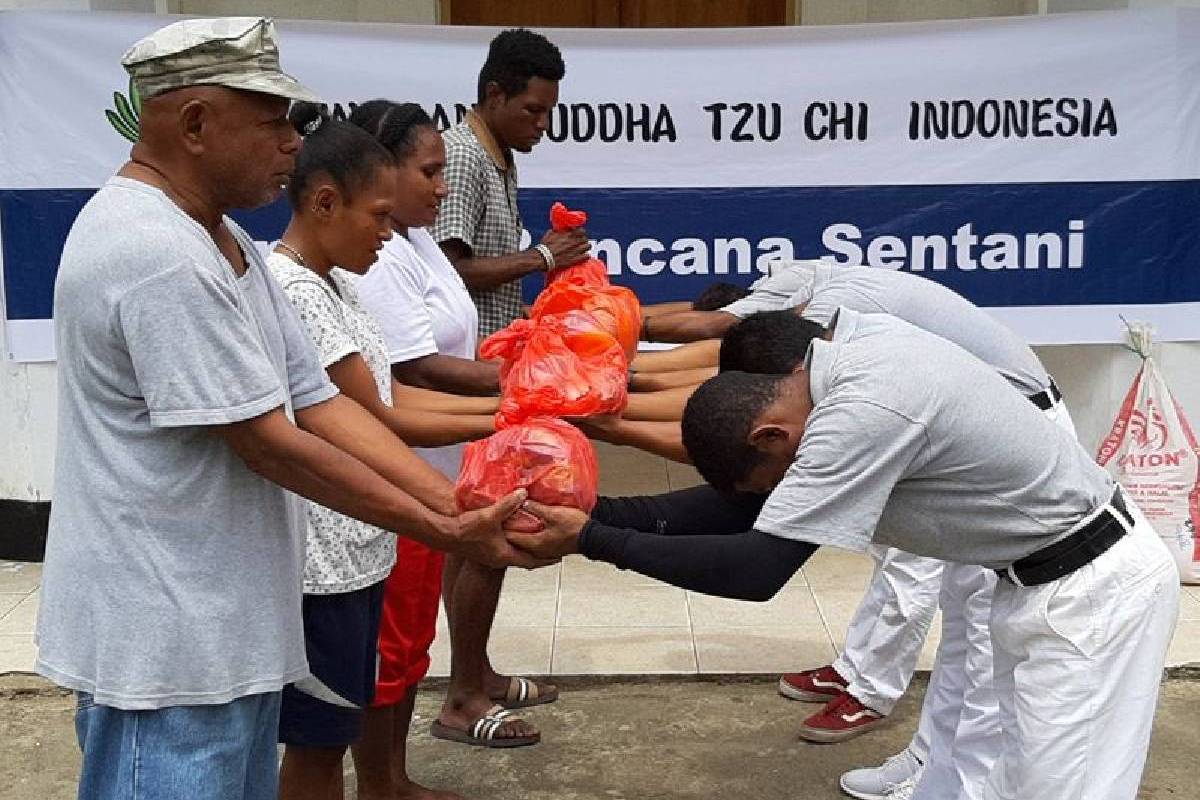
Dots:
(550, 458)
(591, 272)
(557, 365)
(616, 308)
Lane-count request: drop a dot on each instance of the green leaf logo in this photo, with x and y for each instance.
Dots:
(127, 117)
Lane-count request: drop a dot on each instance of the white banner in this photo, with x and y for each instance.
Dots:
(1042, 166)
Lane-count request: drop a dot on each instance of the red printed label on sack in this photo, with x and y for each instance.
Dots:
(1152, 451)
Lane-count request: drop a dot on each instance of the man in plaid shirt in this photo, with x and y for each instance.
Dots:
(479, 228)
(479, 224)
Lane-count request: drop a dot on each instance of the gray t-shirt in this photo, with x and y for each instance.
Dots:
(172, 572)
(928, 305)
(777, 289)
(914, 443)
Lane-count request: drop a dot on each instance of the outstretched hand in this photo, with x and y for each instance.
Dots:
(561, 526)
(481, 536)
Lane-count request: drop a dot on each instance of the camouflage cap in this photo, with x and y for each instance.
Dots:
(238, 52)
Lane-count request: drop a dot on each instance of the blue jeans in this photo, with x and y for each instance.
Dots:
(219, 752)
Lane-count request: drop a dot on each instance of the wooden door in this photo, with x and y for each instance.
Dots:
(617, 13)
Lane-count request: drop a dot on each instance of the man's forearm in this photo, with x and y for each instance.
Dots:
(664, 406)
(687, 326)
(482, 274)
(744, 566)
(349, 427)
(688, 356)
(683, 512)
(413, 397)
(450, 374)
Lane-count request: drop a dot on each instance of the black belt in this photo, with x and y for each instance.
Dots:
(1046, 400)
(1080, 548)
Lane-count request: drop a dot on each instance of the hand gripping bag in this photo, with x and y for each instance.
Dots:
(1152, 453)
(616, 308)
(558, 365)
(546, 456)
(591, 272)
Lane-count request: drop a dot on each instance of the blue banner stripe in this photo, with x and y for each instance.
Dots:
(998, 244)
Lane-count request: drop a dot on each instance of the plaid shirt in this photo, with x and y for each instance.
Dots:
(481, 211)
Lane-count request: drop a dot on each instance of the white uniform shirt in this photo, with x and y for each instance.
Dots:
(423, 307)
(928, 305)
(776, 290)
(914, 443)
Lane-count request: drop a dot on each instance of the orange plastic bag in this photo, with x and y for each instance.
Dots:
(547, 456)
(592, 272)
(564, 219)
(616, 308)
(560, 365)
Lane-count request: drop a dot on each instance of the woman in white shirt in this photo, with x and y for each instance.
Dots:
(342, 194)
(429, 323)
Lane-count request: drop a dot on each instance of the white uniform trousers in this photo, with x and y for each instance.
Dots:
(889, 627)
(1078, 665)
(958, 736)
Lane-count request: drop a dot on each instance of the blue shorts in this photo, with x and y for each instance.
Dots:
(217, 752)
(341, 639)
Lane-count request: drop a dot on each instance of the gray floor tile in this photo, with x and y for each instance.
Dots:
(23, 617)
(626, 471)
(17, 652)
(839, 569)
(623, 651)
(769, 648)
(527, 609)
(790, 609)
(682, 476)
(637, 606)
(19, 577)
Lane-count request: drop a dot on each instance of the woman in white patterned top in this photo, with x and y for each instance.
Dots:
(429, 324)
(342, 194)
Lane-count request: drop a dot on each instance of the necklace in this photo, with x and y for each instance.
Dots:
(293, 252)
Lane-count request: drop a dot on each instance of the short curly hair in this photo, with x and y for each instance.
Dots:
(717, 422)
(515, 56)
(769, 342)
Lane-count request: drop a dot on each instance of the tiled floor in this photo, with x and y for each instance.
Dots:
(582, 617)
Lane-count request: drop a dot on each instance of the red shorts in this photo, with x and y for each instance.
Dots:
(409, 621)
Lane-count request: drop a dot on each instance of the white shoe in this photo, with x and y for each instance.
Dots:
(875, 783)
(903, 790)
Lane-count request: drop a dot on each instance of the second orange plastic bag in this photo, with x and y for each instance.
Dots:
(559, 365)
(616, 308)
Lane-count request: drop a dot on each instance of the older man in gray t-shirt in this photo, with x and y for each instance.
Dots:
(190, 401)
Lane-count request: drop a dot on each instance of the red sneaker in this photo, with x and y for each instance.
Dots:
(842, 719)
(813, 685)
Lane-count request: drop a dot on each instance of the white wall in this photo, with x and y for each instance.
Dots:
(27, 430)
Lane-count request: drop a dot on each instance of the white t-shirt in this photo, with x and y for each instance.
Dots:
(342, 554)
(422, 305)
